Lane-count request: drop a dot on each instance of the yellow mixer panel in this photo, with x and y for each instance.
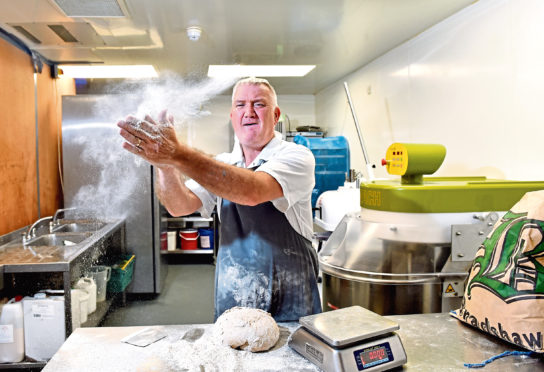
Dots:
(396, 158)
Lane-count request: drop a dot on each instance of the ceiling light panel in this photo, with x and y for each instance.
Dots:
(259, 70)
(109, 72)
(90, 8)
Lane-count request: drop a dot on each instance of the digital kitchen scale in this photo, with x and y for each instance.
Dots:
(349, 339)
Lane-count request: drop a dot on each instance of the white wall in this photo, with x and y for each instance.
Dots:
(299, 108)
(474, 83)
(211, 133)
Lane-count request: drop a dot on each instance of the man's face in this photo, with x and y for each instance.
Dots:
(253, 115)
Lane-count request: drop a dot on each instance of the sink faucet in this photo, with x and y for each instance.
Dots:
(31, 232)
(55, 221)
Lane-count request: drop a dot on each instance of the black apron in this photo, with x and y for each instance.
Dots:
(264, 263)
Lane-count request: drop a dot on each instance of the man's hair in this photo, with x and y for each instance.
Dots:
(256, 81)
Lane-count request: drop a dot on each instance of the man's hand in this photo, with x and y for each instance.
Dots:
(155, 142)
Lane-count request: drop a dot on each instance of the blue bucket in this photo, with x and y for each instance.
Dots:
(206, 238)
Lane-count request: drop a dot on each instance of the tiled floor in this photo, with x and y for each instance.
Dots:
(187, 298)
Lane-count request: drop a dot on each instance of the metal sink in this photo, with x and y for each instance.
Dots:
(58, 251)
(58, 240)
(79, 227)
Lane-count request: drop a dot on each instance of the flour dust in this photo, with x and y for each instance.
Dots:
(113, 182)
(208, 354)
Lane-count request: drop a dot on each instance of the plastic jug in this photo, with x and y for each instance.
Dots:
(101, 276)
(83, 298)
(89, 286)
(44, 325)
(12, 341)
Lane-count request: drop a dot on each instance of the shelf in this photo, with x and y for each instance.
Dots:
(186, 219)
(193, 221)
(189, 251)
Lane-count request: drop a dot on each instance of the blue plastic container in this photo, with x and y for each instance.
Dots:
(205, 238)
(331, 162)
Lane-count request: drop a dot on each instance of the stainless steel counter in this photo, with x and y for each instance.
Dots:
(32, 267)
(433, 342)
(438, 342)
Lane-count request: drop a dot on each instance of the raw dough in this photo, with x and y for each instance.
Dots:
(247, 329)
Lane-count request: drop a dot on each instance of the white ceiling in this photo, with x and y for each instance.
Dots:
(339, 36)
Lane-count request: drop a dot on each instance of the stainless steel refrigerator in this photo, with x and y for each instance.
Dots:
(100, 176)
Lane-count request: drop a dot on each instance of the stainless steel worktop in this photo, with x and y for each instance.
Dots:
(35, 266)
(438, 342)
(433, 342)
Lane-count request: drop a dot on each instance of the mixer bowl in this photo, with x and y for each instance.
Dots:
(376, 266)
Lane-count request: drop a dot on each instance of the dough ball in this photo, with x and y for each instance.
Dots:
(247, 329)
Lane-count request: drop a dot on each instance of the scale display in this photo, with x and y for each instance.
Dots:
(373, 356)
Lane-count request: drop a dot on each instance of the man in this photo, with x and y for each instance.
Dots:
(262, 190)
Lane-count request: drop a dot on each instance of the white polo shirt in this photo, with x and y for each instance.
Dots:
(292, 165)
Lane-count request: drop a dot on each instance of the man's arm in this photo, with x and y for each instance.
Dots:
(173, 194)
(238, 185)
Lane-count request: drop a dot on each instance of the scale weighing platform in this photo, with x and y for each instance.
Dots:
(349, 339)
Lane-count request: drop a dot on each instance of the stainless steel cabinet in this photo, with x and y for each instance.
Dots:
(99, 175)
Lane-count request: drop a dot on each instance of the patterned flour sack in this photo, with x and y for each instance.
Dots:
(504, 293)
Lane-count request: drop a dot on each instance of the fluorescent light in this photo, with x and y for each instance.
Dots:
(112, 71)
(258, 70)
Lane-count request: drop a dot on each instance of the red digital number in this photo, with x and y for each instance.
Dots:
(377, 354)
(371, 356)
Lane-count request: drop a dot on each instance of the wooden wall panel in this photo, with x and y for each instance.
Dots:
(18, 183)
(49, 134)
(18, 176)
(48, 139)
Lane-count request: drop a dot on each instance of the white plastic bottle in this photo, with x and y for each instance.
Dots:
(89, 286)
(12, 341)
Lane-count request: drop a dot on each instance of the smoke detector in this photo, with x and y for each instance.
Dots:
(194, 32)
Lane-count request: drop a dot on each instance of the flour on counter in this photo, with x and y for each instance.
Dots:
(207, 354)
